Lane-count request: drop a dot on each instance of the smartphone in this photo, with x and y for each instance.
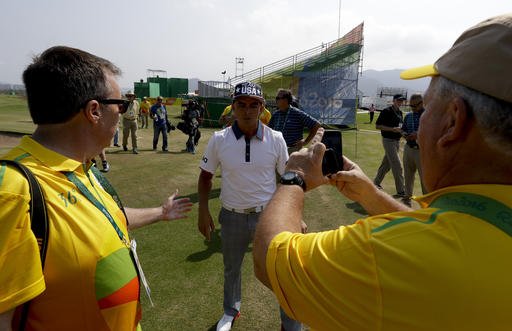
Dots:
(333, 157)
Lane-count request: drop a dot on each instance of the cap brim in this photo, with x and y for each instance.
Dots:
(249, 96)
(419, 72)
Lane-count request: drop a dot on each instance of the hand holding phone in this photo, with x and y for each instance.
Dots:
(333, 158)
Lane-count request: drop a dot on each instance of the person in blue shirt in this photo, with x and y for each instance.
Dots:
(159, 116)
(291, 121)
(411, 157)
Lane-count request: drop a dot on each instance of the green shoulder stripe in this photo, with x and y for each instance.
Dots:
(402, 220)
(479, 206)
(485, 208)
(4, 166)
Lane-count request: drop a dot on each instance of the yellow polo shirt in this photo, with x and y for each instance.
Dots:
(265, 115)
(89, 280)
(444, 267)
(144, 107)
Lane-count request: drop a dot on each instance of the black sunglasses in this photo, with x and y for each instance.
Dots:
(123, 104)
(416, 105)
(279, 98)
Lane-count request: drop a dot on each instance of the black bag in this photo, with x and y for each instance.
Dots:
(183, 127)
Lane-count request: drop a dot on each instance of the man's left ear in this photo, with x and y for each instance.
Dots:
(458, 119)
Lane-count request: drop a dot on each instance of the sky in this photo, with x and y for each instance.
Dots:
(202, 38)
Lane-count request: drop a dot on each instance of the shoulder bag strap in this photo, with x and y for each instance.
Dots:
(38, 222)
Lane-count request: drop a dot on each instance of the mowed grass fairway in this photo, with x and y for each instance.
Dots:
(185, 272)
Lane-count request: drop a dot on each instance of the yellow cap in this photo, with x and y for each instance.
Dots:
(419, 72)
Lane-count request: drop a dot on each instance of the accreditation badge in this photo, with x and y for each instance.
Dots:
(133, 248)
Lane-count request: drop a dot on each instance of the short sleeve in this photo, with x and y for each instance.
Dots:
(282, 153)
(21, 276)
(326, 279)
(210, 160)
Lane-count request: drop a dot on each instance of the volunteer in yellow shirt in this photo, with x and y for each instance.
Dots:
(89, 280)
(444, 266)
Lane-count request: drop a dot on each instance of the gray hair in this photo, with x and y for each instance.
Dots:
(493, 116)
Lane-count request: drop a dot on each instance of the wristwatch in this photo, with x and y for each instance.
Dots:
(293, 178)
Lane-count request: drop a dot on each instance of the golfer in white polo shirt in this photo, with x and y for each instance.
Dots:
(249, 154)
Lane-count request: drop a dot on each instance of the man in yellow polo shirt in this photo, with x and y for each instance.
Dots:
(227, 117)
(89, 280)
(445, 266)
(145, 105)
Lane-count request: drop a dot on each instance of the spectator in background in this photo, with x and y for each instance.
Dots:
(159, 116)
(411, 155)
(389, 123)
(105, 167)
(145, 106)
(291, 122)
(116, 136)
(192, 118)
(371, 111)
(130, 122)
(442, 267)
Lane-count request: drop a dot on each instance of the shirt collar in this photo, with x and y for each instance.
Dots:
(49, 158)
(238, 133)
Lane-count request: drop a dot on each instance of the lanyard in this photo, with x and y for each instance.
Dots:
(85, 191)
(485, 208)
(278, 128)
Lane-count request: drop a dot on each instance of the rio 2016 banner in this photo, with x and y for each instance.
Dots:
(323, 78)
(327, 85)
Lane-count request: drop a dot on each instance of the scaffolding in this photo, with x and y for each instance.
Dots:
(156, 73)
(324, 78)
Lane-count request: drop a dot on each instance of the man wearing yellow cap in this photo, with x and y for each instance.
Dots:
(445, 266)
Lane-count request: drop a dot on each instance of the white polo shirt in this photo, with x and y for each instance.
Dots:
(248, 168)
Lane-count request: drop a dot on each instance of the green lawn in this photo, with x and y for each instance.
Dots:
(184, 271)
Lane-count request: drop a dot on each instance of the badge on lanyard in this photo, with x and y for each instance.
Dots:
(133, 248)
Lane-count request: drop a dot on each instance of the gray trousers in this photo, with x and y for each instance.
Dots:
(391, 160)
(237, 232)
(411, 164)
(130, 126)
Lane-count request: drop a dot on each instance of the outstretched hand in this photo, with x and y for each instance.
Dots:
(174, 209)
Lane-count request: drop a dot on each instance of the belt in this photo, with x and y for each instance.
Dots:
(252, 210)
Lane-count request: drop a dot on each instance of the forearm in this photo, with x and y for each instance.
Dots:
(311, 134)
(138, 217)
(381, 203)
(388, 128)
(283, 213)
(204, 186)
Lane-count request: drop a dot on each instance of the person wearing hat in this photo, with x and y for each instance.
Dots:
(159, 115)
(249, 154)
(144, 112)
(411, 157)
(389, 123)
(130, 122)
(445, 266)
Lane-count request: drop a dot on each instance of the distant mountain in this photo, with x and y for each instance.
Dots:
(11, 87)
(371, 80)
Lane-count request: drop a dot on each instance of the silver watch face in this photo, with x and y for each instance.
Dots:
(289, 175)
